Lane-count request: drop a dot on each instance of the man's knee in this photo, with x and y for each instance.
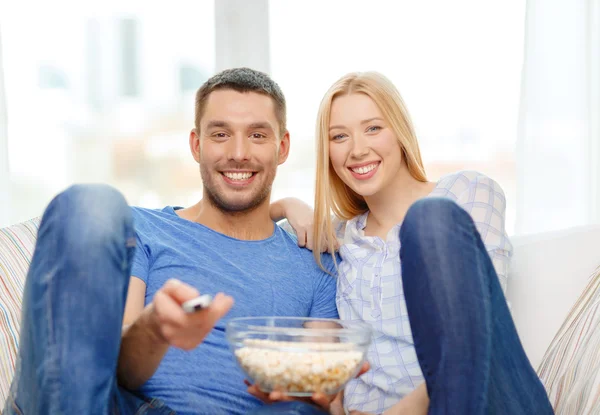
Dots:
(87, 213)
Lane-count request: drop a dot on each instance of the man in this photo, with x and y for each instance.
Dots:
(79, 291)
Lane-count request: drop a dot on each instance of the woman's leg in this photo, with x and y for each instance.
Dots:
(465, 339)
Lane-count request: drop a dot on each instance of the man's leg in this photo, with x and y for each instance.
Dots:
(288, 408)
(73, 306)
(466, 341)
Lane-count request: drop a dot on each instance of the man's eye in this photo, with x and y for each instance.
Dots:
(258, 136)
(220, 135)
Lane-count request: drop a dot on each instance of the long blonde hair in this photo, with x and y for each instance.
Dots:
(332, 195)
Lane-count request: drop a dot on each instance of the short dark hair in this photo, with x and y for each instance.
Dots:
(242, 80)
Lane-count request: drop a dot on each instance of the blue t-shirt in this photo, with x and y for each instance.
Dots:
(270, 277)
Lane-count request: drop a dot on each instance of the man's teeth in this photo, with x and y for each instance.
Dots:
(238, 176)
(364, 169)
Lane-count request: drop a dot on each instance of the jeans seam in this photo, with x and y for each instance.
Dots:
(483, 268)
(14, 406)
(53, 355)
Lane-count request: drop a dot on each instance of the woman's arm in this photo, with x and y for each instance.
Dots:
(300, 219)
(415, 403)
(485, 201)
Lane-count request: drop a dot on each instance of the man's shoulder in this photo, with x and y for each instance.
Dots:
(143, 212)
(147, 222)
(298, 256)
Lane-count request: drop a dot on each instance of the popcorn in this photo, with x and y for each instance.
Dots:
(299, 368)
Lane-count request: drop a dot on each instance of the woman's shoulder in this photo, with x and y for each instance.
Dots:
(467, 182)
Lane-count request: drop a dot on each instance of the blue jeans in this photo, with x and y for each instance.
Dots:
(464, 336)
(73, 307)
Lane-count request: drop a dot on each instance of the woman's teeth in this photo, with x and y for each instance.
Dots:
(364, 169)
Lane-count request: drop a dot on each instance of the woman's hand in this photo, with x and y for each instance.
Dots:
(329, 403)
(301, 219)
(320, 400)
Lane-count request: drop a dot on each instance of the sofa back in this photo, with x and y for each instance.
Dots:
(547, 274)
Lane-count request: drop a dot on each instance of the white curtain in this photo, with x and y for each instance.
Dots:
(4, 171)
(558, 149)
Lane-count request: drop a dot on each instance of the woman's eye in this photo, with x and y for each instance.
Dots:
(373, 128)
(338, 137)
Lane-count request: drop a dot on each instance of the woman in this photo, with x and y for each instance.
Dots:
(424, 263)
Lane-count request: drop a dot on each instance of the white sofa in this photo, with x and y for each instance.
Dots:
(547, 275)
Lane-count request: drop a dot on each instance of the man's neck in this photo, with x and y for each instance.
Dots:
(252, 225)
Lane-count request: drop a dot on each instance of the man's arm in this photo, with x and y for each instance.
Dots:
(149, 331)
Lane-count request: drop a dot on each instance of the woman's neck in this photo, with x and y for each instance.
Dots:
(389, 206)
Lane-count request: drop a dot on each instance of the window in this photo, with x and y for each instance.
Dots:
(104, 92)
(457, 65)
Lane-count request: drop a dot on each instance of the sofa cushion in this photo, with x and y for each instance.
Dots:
(570, 369)
(16, 248)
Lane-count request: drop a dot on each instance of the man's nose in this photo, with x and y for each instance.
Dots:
(239, 148)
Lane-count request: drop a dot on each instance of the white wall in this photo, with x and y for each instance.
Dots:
(4, 171)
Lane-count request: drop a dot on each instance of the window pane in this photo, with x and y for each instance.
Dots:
(104, 92)
(457, 65)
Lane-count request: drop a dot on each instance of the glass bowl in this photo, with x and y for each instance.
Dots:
(296, 355)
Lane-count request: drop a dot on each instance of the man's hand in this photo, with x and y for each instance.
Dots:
(321, 400)
(172, 325)
(161, 324)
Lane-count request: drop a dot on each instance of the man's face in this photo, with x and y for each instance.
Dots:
(239, 147)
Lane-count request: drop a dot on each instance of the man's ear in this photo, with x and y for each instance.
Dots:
(284, 147)
(195, 145)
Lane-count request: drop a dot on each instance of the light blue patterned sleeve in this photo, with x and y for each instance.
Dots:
(485, 201)
(285, 225)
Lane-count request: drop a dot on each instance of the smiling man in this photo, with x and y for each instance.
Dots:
(103, 296)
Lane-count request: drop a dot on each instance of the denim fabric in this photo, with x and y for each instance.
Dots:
(288, 408)
(73, 307)
(464, 335)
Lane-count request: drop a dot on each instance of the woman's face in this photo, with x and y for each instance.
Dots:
(363, 150)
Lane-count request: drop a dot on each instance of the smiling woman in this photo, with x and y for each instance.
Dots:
(424, 263)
